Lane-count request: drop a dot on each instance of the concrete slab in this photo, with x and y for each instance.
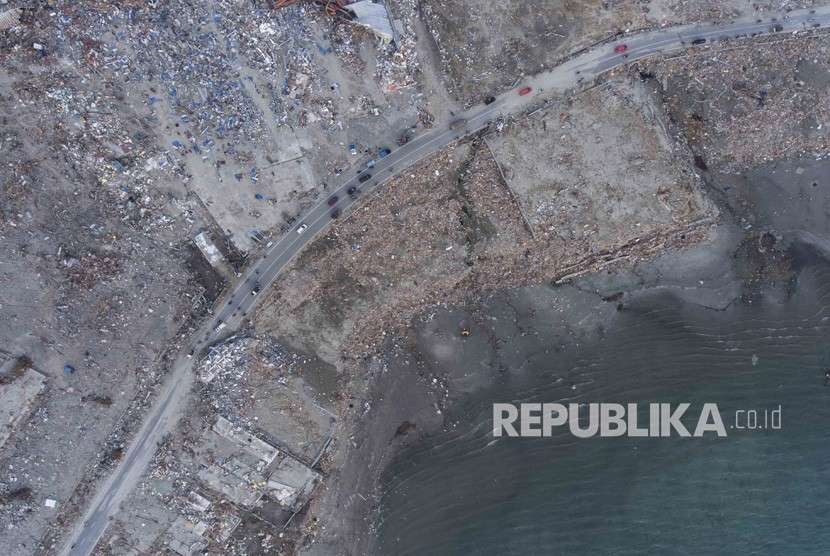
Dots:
(18, 390)
(248, 442)
(292, 482)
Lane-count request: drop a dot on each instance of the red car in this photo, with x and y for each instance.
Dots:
(525, 91)
(620, 48)
(332, 200)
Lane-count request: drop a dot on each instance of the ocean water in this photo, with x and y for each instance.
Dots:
(460, 491)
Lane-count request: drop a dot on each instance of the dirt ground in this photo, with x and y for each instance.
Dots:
(750, 103)
(284, 397)
(128, 127)
(95, 277)
(450, 230)
(253, 109)
(598, 167)
(452, 226)
(487, 46)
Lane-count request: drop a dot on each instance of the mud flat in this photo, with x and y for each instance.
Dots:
(739, 319)
(448, 234)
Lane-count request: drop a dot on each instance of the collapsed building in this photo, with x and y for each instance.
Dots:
(243, 468)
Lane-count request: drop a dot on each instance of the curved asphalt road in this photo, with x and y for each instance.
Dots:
(234, 308)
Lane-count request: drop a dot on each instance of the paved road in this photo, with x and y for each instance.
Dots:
(235, 307)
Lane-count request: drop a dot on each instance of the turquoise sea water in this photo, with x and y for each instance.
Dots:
(460, 491)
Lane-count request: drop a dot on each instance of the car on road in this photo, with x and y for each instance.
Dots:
(364, 178)
(620, 48)
(335, 213)
(459, 123)
(353, 191)
(699, 40)
(219, 326)
(384, 152)
(302, 228)
(370, 164)
(524, 91)
(255, 289)
(489, 100)
(332, 200)
(191, 352)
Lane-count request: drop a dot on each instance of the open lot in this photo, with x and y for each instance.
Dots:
(599, 169)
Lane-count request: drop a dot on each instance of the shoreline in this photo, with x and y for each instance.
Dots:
(349, 505)
(712, 274)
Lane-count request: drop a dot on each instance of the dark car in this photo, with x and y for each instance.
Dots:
(384, 152)
(332, 200)
(699, 41)
(334, 213)
(489, 100)
(457, 124)
(364, 178)
(352, 191)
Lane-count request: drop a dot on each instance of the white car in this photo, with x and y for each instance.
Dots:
(302, 228)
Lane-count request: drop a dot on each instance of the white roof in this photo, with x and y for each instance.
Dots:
(373, 16)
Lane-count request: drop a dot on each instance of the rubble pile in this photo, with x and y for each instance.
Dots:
(90, 268)
(399, 67)
(232, 371)
(138, 125)
(95, 224)
(487, 46)
(451, 228)
(227, 360)
(751, 103)
(677, 11)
